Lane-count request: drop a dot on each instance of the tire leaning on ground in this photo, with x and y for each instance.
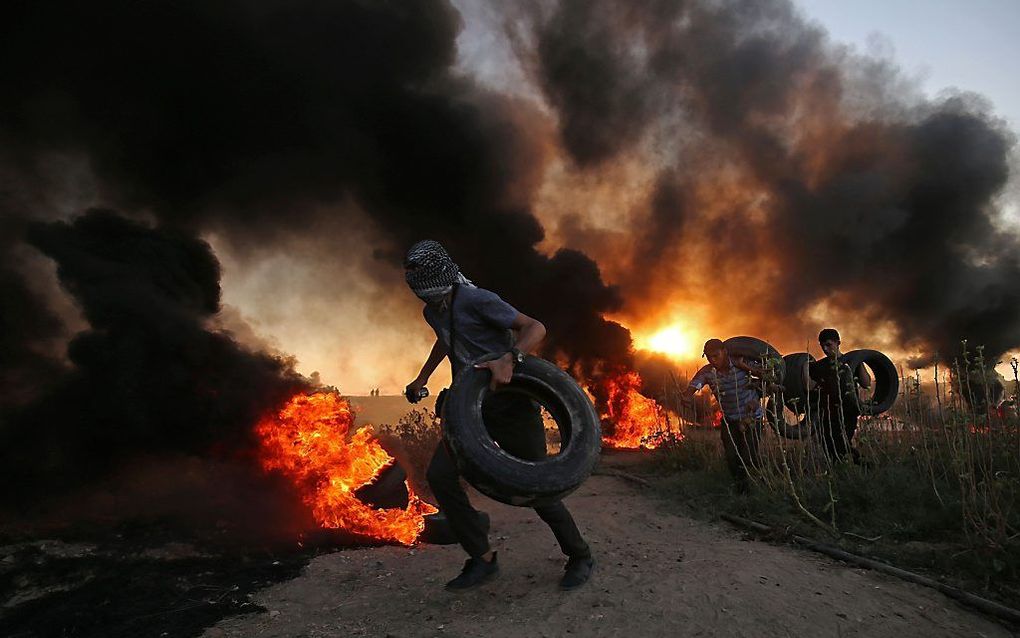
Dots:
(885, 378)
(504, 477)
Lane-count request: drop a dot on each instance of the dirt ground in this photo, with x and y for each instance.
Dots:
(658, 574)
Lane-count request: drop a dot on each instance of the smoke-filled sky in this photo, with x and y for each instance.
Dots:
(970, 45)
(681, 170)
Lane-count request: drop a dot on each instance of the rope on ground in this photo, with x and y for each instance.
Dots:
(989, 607)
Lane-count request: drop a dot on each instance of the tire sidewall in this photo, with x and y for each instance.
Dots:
(756, 349)
(504, 477)
(886, 378)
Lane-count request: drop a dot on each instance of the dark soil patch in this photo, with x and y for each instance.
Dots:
(140, 579)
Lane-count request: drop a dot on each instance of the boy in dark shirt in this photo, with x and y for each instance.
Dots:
(478, 322)
(838, 406)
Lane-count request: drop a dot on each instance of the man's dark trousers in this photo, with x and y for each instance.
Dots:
(513, 421)
(838, 426)
(740, 439)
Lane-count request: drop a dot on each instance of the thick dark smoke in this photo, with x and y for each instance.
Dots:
(148, 377)
(785, 172)
(847, 192)
(27, 326)
(244, 115)
(32, 332)
(249, 119)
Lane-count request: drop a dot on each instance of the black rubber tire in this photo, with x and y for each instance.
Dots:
(388, 491)
(795, 393)
(703, 369)
(438, 531)
(797, 432)
(504, 477)
(756, 350)
(885, 377)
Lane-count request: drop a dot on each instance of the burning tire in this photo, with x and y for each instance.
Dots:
(500, 475)
(388, 490)
(757, 350)
(886, 379)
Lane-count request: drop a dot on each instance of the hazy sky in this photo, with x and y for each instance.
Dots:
(972, 45)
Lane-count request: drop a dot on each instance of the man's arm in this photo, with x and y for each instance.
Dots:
(863, 378)
(747, 366)
(435, 358)
(696, 383)
(528, 333)
(809, 383)
(767, 378)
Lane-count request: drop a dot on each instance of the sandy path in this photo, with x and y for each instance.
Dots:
(658, 574)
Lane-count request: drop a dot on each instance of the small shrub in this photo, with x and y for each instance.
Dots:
(412, 441)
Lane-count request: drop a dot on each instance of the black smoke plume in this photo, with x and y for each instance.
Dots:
(243, 116)
(799, 175)
(148, 377)
(27, 328)
(788, 176)
(247, 119)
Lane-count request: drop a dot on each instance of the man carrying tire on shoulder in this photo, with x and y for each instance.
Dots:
(838, 406)
(739, 397)
(470, 322)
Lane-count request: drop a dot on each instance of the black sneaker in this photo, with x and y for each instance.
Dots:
(476, 571)
(577, 572)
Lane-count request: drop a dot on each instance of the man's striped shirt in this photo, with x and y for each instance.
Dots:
(737, 396)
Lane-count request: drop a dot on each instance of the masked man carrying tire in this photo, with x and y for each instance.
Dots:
(470, 322)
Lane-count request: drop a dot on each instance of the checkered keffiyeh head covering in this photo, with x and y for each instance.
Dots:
(430, 272)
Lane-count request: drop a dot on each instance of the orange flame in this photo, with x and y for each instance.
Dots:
(638, 422)
(308, 442)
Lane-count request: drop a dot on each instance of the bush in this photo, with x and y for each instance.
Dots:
(412, 441)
